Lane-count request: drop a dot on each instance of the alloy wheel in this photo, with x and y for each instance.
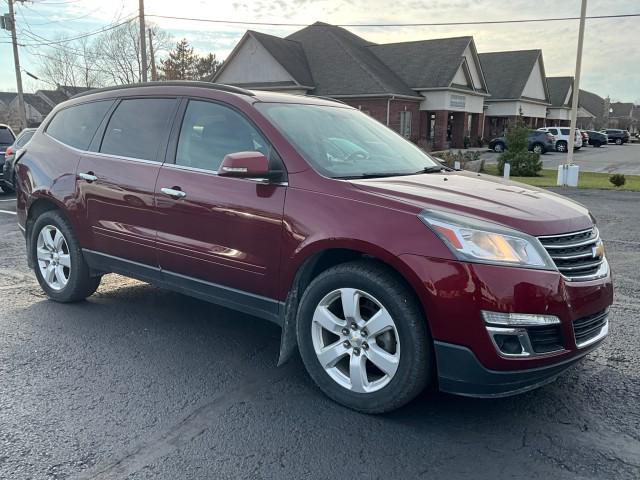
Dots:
(54, 260)
(355, 340)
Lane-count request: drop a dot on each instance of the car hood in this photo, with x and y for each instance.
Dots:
(528, 209)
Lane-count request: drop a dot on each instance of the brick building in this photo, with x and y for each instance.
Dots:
(518, 86)
(430, 91)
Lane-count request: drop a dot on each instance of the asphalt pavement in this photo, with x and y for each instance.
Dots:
(606, 159)
(142, 383)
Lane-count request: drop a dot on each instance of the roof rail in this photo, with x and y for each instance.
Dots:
(331, 99)
(172, 83)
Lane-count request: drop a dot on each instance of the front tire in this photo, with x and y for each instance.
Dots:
(498, 147)
(618, 141)
(538, 148)
(561, 146)
(597, 144)
(363, 338)
(59, 264)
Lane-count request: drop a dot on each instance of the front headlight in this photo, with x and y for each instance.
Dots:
(478, 241)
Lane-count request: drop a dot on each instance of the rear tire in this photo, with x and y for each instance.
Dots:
(618, 141)
(371, 367)
(597, 144)
(561, 146)
(538, 148)
(498, 147)
(58, 262)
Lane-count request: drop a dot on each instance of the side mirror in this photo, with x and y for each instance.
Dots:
(244, 165)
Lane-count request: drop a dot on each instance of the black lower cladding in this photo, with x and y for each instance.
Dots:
(461, 373)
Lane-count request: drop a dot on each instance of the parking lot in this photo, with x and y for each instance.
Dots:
(607, 159)
(138, 383)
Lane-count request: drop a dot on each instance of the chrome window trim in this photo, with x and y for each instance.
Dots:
(215, 173)
(100, 154)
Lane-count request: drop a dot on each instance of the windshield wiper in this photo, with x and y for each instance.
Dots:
(433, 169)
(373, 175)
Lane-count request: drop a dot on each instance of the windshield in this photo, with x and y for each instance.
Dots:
(346, 143)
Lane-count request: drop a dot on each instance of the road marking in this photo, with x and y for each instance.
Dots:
(8, 211)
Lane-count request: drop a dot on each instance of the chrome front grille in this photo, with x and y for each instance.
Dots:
(579, 256)
(588, 330)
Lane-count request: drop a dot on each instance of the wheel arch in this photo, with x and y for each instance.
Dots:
(322, 255)
(37, 207)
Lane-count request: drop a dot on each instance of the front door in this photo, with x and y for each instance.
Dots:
(116, 181)
(218, 231)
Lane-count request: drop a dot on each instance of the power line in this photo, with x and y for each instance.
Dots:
(437, 24)
(84, 35)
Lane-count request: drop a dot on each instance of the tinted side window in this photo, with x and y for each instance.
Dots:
(565, 131)
(553, 131)
(76, 126)
(6, 136)
(210, 131)
(24, 138)
(137, 127)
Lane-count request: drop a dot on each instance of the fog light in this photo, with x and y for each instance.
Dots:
(509, 344)
(518, 319)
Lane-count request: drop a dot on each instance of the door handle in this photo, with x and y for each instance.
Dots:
(173, 192)
(89, 177)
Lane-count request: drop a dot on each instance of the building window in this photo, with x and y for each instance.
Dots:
(405, 124)
(457, 101)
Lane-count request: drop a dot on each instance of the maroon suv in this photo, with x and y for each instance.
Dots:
(386, 270)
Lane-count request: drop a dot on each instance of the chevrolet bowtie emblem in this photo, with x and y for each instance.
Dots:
(598, 250)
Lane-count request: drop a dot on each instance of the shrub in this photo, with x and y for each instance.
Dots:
(450, 158)
(523, 162)
(618, 179)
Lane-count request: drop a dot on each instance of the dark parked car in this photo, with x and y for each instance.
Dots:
(597, 139)
(385, 270)
(7, 138)
(7, 174)
(617, 135)
(539, 142)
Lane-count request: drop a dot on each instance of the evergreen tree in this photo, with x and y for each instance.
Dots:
(181, 64)
(207, 66)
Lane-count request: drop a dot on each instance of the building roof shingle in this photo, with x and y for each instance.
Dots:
(341, 64)
(558, 89)
(38, 103)
(424, 63)
(56, 96)
(621, 109)
(591, 102)
(289, 54)
(507, 72)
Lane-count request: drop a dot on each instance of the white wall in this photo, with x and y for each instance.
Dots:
(441, 100)
(475, 75)
(534, 88)
(460, 78)
(253, 63)
(559, 114)
(507, 109)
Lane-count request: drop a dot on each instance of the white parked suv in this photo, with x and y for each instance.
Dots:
(562, 137)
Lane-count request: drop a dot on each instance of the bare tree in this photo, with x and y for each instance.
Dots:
(72, 64)
(118, 52)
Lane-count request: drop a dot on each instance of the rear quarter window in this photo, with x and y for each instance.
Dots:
(75, 126)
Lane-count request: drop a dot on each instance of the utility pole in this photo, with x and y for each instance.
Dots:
(143, 41)
(574, 103)
(16, 61)
(154, 73)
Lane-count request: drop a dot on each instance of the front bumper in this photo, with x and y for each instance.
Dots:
(454, 294)
(460, 373)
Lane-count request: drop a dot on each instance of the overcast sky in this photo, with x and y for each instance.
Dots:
(611, 61)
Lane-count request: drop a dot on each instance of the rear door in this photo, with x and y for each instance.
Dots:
(221, 232)
(116, 179)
